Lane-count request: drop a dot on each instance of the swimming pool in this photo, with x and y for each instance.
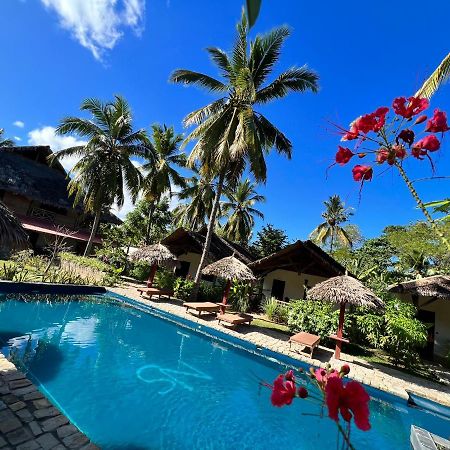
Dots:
(134, 380)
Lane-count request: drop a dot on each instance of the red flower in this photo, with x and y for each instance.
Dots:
(352, 134)
(380, 114)
(430, 142)
(382, 155)
(302, 392)
(362, 173)
(344, 155)
(418, 152)
(369, 122)
(415, 106)
(289, 375)
(438, 123)
(282, 392)
(399, 150)
(351, 400)
(406, 136)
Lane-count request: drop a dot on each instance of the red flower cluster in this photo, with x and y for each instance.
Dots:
(414, 106)
(395, 150)
(369, 122)
(350, 399)
(284, 390)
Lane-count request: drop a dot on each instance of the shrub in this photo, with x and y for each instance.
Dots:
(270, 308)
(84, 261)
(140, 271)
(313, 317)
(165, 279)
(209, 292)
(182, 288)
(240, 296)
(276, 311)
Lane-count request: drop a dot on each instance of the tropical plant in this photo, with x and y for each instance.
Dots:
(197, 197)
(12, 234)
(5, 142)
(240, 295)
(182, 288)
(162, 169)
(230, 133)
(331, 229)
(269, 240)
(240, 211)
(105, 170)
(436, 79)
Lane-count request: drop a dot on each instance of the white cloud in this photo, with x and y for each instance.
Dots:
(98, 24)
(47, 136)
(17, 138)
(19, 124)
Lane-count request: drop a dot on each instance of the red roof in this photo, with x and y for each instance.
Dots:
(44, 226)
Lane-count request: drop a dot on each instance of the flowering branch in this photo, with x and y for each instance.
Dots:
(391, 143)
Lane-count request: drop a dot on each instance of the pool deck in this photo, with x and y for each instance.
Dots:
(377, 376)
(28, 421)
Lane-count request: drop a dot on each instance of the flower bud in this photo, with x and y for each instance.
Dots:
(345, 369)
(302, 392)
(420, 119)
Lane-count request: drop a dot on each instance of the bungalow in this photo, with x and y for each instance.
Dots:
(431, 296)
(288, 274)
(37, 194)
(285, 275)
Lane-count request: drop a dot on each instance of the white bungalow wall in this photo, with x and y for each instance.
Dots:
(441, 308)
(294, 283)
(193, 259)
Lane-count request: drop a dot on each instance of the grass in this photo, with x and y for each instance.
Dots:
(261, 323)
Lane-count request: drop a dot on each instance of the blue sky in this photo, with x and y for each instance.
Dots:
(55, 53)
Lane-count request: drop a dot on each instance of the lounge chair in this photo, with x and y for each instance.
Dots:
(150, 292)
(206, 307)
(234, 319)
(306, 340)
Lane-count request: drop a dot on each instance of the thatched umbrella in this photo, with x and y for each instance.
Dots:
(344, 290)
(156, 255)
(229, 268)
(12, 234)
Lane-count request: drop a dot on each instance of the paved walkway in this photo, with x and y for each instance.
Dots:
(377, 376)
(28, 421)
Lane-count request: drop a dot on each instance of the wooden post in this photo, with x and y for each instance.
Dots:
(337, 353)
(226, 292)
(152, 275)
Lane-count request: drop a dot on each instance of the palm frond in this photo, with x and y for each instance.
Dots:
(189, 77)
(436, 79)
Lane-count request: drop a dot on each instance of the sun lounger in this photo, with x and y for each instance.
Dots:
(206, 307)
(235, 319)
(306, 340)
(150, 292)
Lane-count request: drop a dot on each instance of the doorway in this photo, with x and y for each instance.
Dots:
(428, 318)
(278, 289)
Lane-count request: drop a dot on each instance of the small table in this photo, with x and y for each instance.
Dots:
(305, 339)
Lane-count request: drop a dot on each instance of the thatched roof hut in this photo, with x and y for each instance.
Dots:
(229, 268)
(12, 234)
(437, 286)
(345, 289)
(155, 254)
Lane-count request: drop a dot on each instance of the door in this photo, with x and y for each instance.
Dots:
(428, 318)
(278, 289)
(183, 269)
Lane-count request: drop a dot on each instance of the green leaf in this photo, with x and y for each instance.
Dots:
(253, 7)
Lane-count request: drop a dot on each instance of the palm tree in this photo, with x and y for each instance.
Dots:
(198, 194)
(436, 79)
(229, 132)
(105, 170)
(162, 169)
(335, 215)
(5, 142)
(12, 234)
(241, 212)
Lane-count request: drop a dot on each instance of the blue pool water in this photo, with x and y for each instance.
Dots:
(131, 380)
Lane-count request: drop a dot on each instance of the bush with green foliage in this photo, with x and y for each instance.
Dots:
(165, 279)
(140, 270)
(240, 296)
(313, 317)
(182, 288)
(210, 292)
(85, 261)
(276, 311)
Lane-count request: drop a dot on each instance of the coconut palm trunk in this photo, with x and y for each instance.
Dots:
(151, 213)
(88, 249)
(209, 233)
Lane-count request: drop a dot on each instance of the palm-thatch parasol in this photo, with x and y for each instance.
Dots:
(12, 234)
(229, 268)
(344, 290)
(156, 255)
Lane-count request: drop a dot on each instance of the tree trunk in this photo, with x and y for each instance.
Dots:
(211, 224)
(87, 251)
(149, 224)
(422, 206)
(332, 241)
